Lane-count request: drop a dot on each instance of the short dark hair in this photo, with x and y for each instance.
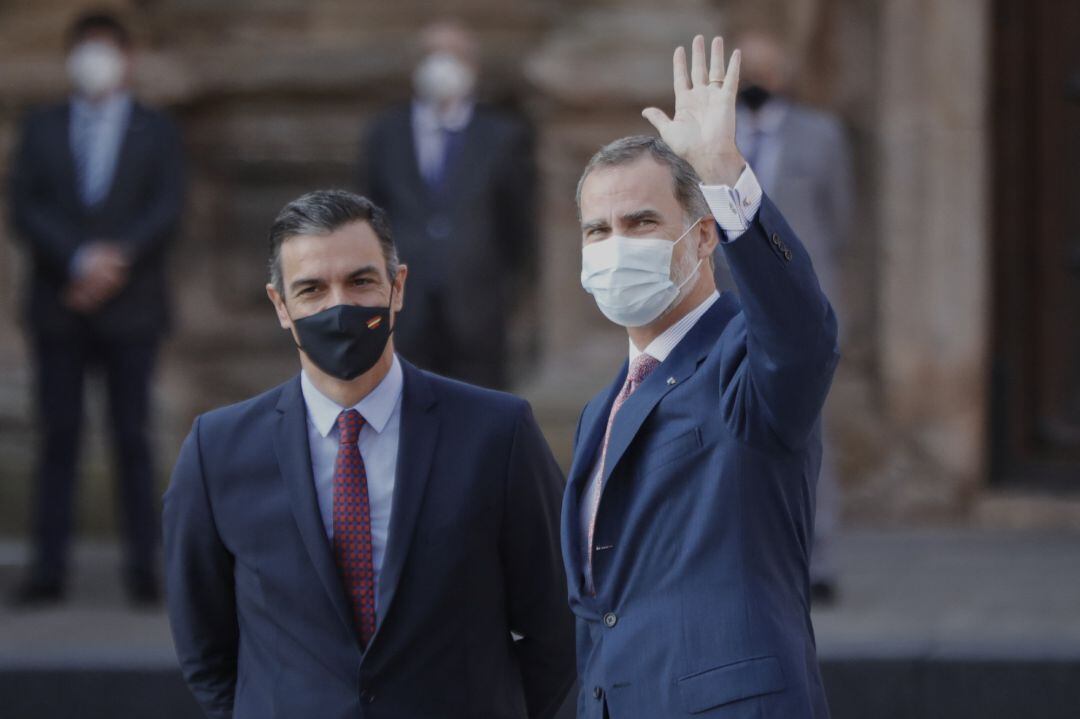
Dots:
(98, 21)
(687, 184)
(322, 212)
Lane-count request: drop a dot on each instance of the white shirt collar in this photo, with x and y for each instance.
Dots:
(428, 117)
(376, 408)
(662, 346)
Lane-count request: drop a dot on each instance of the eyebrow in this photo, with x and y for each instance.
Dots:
(628, 219)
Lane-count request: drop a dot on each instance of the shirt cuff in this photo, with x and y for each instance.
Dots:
(734, 208)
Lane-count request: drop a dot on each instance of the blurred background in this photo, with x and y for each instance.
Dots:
(954, 421)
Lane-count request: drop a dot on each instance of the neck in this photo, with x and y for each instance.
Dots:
(703, 288)
(347, 393)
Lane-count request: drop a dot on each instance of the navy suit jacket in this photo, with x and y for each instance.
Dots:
(259, 615)
(141, 212)
(706, 517)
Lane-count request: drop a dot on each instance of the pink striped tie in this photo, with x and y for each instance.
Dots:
(640, 368)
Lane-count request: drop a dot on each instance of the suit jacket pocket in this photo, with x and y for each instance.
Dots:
(670, 450)
(730, 683)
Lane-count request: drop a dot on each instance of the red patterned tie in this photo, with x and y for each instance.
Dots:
(352, 525)
(640, 368)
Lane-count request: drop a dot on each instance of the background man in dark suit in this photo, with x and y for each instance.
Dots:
(96, 195)
(458, 182)
(362, 540)
(688, 516)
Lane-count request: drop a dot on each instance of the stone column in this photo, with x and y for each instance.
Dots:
(934, 310)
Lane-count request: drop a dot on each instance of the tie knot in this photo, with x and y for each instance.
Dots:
(641, 367)
(349, 424)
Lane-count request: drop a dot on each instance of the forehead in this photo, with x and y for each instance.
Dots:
(613, 191)
(342, 251)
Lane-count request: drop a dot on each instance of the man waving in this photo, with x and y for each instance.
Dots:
(688, 516)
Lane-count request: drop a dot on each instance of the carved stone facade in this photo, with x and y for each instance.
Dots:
(272, 96)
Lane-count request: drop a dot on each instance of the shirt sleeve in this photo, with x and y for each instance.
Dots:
(734, 208)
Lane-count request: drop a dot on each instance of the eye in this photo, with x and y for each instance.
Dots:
(307, 290)
(362, 281)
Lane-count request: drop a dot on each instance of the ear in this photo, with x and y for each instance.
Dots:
(708, 237)
(399, 288)
(279, 307)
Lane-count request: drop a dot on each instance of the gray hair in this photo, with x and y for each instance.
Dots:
(322, 212)
(629, 149)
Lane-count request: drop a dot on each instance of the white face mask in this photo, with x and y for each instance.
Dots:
(96, 68)
(630, 278)
(442, 77)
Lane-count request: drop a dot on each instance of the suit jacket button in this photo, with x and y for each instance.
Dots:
(787, 254)
(597, 692)
(610, 620)
(776, 239)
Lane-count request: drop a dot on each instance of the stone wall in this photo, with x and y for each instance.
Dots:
(272, 96)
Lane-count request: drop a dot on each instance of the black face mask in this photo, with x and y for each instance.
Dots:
(345, 341)
(754, 96)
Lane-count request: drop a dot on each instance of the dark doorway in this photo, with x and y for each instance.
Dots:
(1035, 115)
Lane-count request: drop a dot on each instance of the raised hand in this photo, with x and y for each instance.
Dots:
(702, 131)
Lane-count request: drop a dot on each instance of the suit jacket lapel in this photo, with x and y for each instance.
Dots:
(586, 453)
(294, 458)
(672, 372)
(128, 153)
(409, 155)
(416, 450)
(68, 180)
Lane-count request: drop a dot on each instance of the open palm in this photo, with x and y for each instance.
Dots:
(702, 130)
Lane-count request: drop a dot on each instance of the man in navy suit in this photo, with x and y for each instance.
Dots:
(96, 197)
(457, 178)
(688, 516)
(368, 539)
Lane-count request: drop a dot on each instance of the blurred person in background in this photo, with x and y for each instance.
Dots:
(802, 160)
(96, 198)
(458, 182)
(688, 514)
(364, 539)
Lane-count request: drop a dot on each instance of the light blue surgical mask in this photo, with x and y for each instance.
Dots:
(630, 277)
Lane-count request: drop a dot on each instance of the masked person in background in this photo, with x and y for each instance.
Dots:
(458, 182)
(96, 198)
(363, 540)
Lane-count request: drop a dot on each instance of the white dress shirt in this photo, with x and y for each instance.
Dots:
(96, 133)
(381, 410)
(734, 209)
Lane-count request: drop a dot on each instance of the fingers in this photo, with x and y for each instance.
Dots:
(657, 117)
(698, 73)
(716, 63)
(731, 80)
(682, 80)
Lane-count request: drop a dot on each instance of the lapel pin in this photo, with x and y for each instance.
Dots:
(671, 381)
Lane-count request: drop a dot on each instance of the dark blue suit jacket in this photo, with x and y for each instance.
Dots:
(706, 517)
(259, 616)
(141, 212)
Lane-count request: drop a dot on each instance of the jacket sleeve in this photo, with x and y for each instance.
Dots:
(37, 220)
(532, 565)
(790, 349)
(157, 224)
(200, 590)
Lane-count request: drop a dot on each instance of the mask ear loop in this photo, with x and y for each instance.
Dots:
(694, 272)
